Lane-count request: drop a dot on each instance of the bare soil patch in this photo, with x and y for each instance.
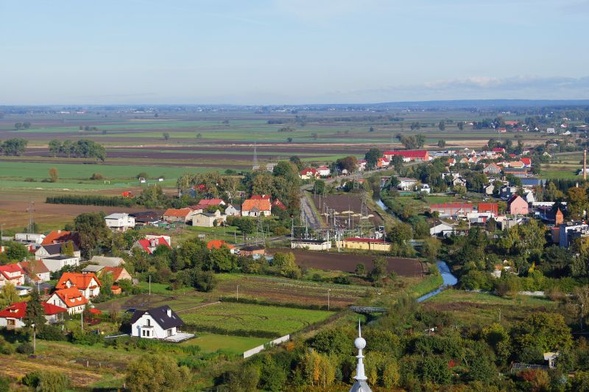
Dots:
(346, 262)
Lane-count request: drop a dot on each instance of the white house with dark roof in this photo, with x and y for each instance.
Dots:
(158, 323)
(120, 221)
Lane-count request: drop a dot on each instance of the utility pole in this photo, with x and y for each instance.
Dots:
(328, 304)
(237, 296)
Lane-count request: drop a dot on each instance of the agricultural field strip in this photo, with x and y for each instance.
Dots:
(236, 316)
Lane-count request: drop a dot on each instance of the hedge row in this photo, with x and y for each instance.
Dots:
(91, 200)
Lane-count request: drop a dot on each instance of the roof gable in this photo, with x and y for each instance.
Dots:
(163, 315)
(81, 281)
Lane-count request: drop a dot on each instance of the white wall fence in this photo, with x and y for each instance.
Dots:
(258, 349)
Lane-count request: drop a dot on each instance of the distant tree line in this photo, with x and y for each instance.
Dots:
(22, 125)
(81, 149)
(13, 147)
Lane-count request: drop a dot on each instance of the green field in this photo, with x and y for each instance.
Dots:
(236, 316)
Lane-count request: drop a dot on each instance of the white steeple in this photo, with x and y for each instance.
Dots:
(360, 385)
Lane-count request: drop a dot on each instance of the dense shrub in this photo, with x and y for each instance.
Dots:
(91, 200)
(24, 348)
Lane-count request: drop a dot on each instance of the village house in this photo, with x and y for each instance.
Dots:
(406, 184)
(182, 215)
(257, 205)
(146, 218)
(324, 171)
(308, 173)
(120, 222)
(204, 204)
(150, 243)
(12, 317)
(70, 299)
(441, 229)
(452, 209)
(408, 155)
(158, 323)
(35, 271)
(13, 274)
(118, 273)
(61, 236)
(218, 244)
(232, 211)
(516, 205)
(208, 219)
(490, 208)
(29, 238)
(88, 284)
(492, 169)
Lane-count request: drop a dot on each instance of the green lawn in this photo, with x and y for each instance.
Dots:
(236, 316)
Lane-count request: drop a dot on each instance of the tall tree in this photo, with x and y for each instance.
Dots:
(35, 313)
(372, 157)
(93, 232)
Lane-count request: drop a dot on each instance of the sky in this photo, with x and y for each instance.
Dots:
(276, 52)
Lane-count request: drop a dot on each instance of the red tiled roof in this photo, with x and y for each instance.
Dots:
(71, 297)
(56, 236)
(115, 271)
(16, 310)
(259, 204)
(308, 171)
(408, 153)
(34, 267)
(489, 207)
(10, 269)
(148, 244)
(178, 212)
(526, 161)
(218, 244)
(81, 281)
(19, 309)
(277, 203)
(51, 309)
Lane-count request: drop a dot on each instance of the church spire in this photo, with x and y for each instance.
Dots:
(360, 385)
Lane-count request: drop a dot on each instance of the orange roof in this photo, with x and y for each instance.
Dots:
(56, 236)
(260, 197)
(81, 281)
(116, 272)
(34, 267)
(259, 204)
(218, 244)
(71, 297)
(179, 212)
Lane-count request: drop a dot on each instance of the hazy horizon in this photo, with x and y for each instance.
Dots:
(291, 52)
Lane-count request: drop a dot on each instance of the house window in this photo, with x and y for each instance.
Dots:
(149, 322)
